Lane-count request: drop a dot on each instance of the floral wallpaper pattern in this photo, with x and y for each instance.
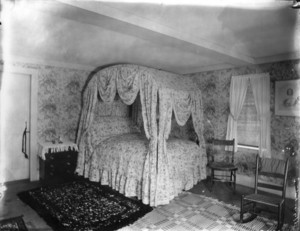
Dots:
(215, 87)
(59, 100)
(59, 105)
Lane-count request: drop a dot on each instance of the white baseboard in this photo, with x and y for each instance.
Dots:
(249, 182)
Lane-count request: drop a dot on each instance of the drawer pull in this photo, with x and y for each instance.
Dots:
(58, 164)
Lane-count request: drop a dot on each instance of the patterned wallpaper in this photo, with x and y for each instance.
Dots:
(59, 100)
(215, 87)
(59, 104)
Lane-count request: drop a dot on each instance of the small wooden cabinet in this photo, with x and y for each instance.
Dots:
(57, 164)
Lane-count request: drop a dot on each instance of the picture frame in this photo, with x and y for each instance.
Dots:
(287, 97)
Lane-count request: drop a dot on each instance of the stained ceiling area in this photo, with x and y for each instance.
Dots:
(180, 36)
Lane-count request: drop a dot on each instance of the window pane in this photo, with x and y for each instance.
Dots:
(248, 123)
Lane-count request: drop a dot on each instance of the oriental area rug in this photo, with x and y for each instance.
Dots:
(83, 205)
(192, 212)
(13, 224)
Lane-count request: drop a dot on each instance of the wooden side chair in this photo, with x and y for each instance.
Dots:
(222, 161)
(249, 203)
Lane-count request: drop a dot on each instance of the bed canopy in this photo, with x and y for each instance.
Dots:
(161, 94)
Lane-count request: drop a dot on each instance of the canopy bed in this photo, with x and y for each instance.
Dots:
(145, 163)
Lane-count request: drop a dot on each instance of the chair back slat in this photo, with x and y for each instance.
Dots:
(267, 167)
(269, 186)
(223, 146)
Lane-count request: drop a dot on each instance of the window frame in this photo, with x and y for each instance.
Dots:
(243, 145)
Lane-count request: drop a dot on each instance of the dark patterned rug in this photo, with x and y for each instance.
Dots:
(83, 205)
(13, 224)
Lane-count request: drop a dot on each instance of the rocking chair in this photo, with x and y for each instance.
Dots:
(270, 168)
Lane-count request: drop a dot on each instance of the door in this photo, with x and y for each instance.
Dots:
(16, 114)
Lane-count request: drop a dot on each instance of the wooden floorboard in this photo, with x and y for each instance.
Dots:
(11, 205)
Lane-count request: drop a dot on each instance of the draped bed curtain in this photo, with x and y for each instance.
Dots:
(86, 118)
(148, 97)
(128, 81)
(260, 84)
(183, 104)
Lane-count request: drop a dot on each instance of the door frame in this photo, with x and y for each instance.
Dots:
(33, 114)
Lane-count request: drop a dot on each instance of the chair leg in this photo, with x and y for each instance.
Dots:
(234, 181)
(230, 183)
(283, 213)
(280, 216)
(242, 209)
(212, 178)
(253, 207)
(248, 218)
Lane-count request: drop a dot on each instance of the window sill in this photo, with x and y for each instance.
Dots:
(248, 147)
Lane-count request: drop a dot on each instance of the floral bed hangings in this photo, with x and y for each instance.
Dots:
(171, 92)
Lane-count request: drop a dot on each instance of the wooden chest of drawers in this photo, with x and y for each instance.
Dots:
(58, 166)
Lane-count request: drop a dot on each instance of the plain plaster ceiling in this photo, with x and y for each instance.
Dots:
(182, 38)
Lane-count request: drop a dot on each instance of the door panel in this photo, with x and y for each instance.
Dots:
(15, 112)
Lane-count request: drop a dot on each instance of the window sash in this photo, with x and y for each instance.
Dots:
(248, 126)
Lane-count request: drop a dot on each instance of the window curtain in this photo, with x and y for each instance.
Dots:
(238, 90)
(260, 84)
(261, 91)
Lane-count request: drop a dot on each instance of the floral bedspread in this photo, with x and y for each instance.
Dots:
(119, 160)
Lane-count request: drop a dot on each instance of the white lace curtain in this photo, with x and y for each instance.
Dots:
(128, 81)
(260, 84)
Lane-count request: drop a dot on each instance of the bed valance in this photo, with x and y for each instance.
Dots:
(157, 89)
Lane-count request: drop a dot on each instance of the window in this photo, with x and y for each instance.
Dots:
(249, 119)
(248, 130)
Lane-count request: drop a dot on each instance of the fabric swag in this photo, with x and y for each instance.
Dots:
(154, 87)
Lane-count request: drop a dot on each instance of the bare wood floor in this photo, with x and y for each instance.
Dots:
(10, 204)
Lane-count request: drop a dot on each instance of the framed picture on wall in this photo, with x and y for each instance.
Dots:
(287, 97)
